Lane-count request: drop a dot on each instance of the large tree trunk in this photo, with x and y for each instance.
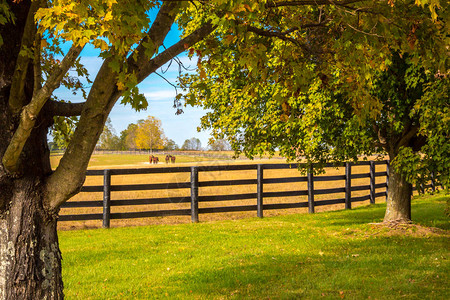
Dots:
(30, 260)
(399, 198)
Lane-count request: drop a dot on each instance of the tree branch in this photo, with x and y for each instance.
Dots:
(284, 37)
(174, 50)
(70, 174)
(37, 64)
(381, 137)
(30, 112)
(364, 32)
(404, 140)
(311, 2)
(65, 109)
(17, 93)
(156, 35)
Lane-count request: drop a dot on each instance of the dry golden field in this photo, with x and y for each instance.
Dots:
(206, 191)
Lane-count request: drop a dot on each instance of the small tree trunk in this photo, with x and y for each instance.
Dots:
(399, 199)
(30, 260)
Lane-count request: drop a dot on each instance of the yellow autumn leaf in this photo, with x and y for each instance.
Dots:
(108, 16)
(57, 10)
(230, 39)
(202, 74)
(120, 86)
(43, 44)
(284, 118)
(99, 43)
(111, 2)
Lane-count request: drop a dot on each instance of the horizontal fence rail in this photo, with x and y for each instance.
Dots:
(195, 197)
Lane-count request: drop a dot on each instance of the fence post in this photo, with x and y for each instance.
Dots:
(106, 198)
(194, 194)
(260, 190)
(387, 179)
(310, 190)
(348, 185)
(372, 182)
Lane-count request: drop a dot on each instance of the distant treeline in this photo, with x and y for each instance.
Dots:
(145, 135)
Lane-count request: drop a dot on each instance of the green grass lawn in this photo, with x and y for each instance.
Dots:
(329, 255)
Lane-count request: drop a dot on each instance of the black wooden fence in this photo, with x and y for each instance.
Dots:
(195, 197)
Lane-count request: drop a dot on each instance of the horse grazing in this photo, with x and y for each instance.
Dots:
(167, 158)
(172, 159)
(153, 159)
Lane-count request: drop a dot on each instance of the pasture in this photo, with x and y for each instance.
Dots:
(328, 255)
(164, 178)
(103, 161)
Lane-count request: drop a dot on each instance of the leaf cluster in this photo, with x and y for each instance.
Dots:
(321, 82)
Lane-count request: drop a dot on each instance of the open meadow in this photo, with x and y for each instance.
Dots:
(328, 255)
(140, 161)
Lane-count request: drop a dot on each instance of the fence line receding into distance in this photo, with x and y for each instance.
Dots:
(195, 197)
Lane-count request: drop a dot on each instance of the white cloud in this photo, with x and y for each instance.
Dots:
(160, 95)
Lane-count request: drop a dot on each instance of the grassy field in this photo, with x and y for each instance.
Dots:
(141, 160)
(329, 255)
(103, 161)
(114, 160)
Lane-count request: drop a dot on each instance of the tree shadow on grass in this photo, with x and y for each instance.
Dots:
(430, 213)
(359, 215)
(383, 267)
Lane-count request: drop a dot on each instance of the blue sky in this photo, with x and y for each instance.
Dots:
(159, 94)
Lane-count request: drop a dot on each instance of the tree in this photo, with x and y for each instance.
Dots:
(149, 134)
(170, 144)
(219, 145)
(330, 83)
(32, 65)
(186, 145)
(192, 144)
(108, 139)
(62, 130)
(315, 38)
(128, 136)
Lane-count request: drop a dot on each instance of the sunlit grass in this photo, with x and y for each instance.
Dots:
(328, 255)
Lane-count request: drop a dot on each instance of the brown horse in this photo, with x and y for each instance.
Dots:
(167, 158)
(153, 159)
(172, 159)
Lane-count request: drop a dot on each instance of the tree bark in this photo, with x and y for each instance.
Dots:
(398, 208)
(30, 260)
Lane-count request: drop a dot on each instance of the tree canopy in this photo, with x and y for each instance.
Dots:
(192, 144)
(149, 134)
(108, 139)
(379, 67)
(219, 145)
(328, 83)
